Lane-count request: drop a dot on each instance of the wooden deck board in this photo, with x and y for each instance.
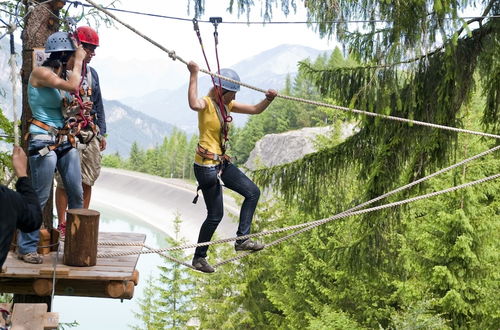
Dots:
(115, 268)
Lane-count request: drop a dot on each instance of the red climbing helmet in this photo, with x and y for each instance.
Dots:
(87, 35)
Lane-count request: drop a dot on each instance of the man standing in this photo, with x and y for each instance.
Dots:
(95, 139)
(19, 209)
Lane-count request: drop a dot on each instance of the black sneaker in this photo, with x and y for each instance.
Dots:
(202, 265)
(248, 245)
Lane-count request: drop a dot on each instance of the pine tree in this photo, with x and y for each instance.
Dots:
(175, 287)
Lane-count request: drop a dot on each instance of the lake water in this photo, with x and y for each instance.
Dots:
(105, 313)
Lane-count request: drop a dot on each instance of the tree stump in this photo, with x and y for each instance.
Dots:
(80, 243)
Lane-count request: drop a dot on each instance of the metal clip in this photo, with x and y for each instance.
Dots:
(44, 151)
(195, 25)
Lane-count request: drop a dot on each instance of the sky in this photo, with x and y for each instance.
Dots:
(122, 52)
(236, 41)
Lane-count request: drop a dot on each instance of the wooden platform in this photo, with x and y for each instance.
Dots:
(30, 316)
(110, 277)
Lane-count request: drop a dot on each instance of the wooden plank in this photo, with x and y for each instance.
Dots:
(7, 307)
(60, 271)
(28, 316)
(50, 321)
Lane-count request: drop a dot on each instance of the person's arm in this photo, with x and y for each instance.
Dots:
(255, 108)
(98, 108)
(44, 77)
(195, 103)
(26, 200)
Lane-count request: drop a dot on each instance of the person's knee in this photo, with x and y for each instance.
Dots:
(253, 193)
(215, 217)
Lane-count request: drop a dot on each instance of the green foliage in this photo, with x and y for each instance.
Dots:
(7, 129)
(149, 315)
(167, 301)
(333, 320)
(171, 159)
(177, 287)
(114, 161)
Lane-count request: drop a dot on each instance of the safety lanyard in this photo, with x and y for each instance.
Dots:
(226, 119)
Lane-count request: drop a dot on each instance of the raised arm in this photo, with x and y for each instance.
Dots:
(255, 108)
(195, 103)
(44, 77)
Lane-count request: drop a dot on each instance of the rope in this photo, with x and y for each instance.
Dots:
(174, 57)
(307, 224)
(76, 3)
(463, 162)
(14, 81)
(112, 243)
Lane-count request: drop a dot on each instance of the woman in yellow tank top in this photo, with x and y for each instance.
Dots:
(211, 162)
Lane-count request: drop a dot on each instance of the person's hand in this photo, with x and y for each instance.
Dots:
(271, 94)
(103, 143)
(193, 67)
(20, 162)
(80, 54)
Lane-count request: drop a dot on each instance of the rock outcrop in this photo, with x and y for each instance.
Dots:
(278, 149)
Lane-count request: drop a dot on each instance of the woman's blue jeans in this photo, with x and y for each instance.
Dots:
(42, 175)
(235, 180)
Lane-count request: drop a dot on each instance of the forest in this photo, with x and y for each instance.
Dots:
(430, 264)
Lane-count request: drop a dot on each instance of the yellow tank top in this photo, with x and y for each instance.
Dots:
(209, 131)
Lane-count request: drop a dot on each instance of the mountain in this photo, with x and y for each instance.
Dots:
(162, 109)
(126, 126)
(268, 69)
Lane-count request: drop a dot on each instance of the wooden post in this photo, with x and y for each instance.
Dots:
(42, 286)
(129, 290)
(44, 243)
(115, 289)
(80, 243)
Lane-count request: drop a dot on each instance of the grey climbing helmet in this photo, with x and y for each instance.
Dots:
(227, 85)
(59, 42)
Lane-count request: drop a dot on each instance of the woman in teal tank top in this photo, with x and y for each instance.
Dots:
(45, 101)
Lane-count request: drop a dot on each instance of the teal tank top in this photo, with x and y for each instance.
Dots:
(45, 103)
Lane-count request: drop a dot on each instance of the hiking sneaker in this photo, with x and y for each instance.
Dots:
(248, 245)
(202, 265)
(31, 258)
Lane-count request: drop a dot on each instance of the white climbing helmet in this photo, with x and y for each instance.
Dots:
(59, 42)
(227, 85)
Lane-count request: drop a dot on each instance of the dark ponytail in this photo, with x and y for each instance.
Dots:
(58, 60)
